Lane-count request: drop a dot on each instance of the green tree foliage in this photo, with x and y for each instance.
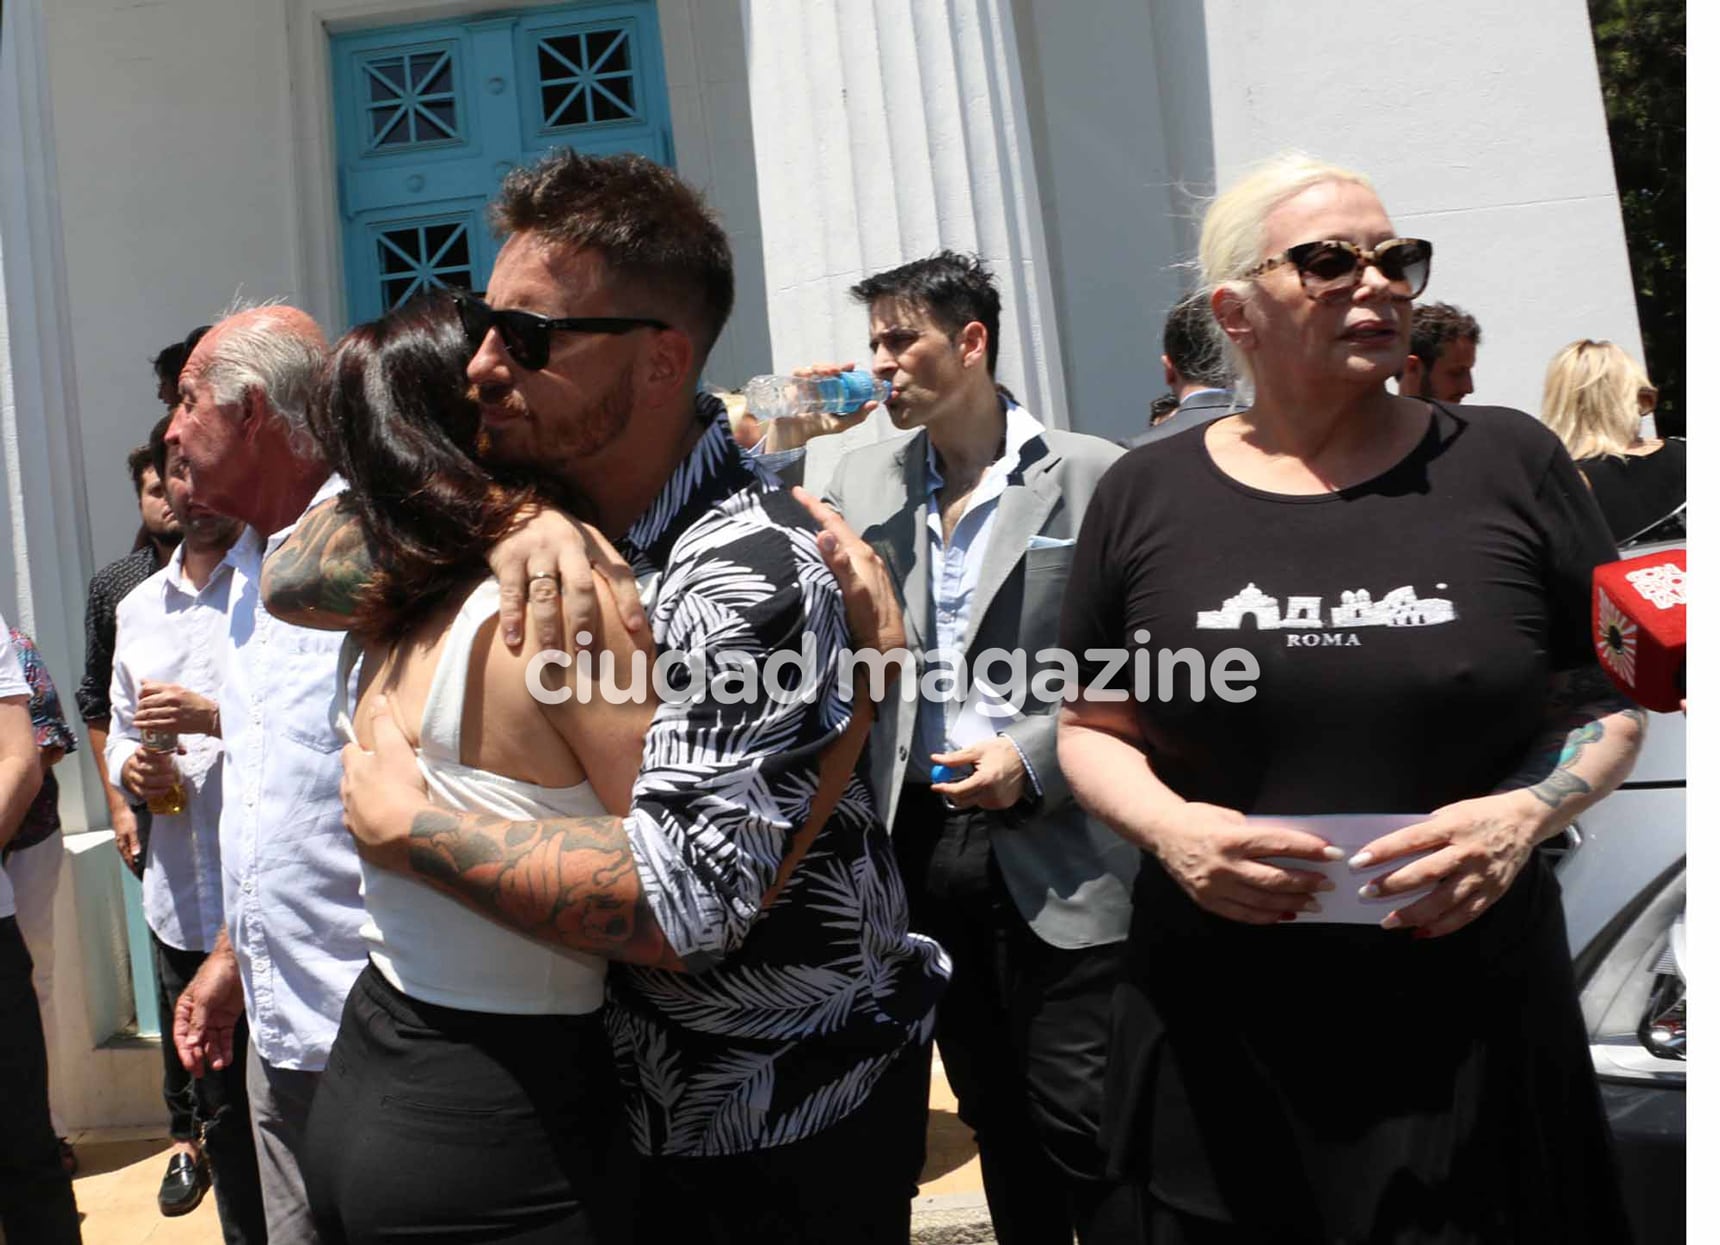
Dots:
(1640, 47)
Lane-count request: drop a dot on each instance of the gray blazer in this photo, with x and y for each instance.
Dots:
(1201, 408)
(1070, 876)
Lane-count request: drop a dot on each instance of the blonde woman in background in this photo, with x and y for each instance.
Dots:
(1596, 398)
(1411, 582)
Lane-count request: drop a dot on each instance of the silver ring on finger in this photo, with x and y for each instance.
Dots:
(553, 576)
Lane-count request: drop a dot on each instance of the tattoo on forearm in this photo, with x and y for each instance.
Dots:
(315, 578)
(1582, 702)
(570, 880)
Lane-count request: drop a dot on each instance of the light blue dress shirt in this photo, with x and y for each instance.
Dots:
(290, 876)
(955, 572)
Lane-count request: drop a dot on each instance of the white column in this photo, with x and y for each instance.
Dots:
(886, 130)
(48, 552)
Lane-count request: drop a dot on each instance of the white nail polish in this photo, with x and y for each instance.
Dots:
(1333, 853)
(1370, 891)
(1361, 860)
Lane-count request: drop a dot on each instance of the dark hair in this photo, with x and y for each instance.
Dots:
(1193, 345)
(169, 361)
(953, 289)
(137, 462)
(395, 416)
(157, 448)
(1437, 325)
(653, 231)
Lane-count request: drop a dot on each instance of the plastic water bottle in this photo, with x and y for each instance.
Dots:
(769, 397)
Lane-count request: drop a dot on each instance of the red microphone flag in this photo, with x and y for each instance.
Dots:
(1639, 627)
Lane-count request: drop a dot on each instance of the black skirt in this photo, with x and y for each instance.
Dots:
(1327, 1083)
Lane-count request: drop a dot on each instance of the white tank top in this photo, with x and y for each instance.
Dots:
(430, 946)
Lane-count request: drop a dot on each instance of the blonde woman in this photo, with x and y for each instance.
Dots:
(1596, 398)
(1409, 582)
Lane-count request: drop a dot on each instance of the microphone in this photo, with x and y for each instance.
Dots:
(1638, 620)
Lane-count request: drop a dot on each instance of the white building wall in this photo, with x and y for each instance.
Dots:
(1113, 138)
(1480, 122)
(1482, 126)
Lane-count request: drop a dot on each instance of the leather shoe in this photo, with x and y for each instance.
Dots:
(183, 1186)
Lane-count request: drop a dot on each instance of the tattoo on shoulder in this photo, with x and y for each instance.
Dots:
(315, 578)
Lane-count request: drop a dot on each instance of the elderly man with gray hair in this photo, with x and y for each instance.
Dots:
(291, 946)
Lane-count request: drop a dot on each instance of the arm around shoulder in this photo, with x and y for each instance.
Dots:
(314, 578)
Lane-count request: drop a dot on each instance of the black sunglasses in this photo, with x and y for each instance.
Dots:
(526, 336)
(1330, 267)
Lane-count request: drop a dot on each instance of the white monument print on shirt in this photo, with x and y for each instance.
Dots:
(1356, 608)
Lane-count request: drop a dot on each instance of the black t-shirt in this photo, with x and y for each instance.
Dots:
(1405, 631)
(1637, 492)
(1404, 628)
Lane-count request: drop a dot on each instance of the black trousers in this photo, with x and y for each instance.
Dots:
(1024, 1030)
(215, 1106)
(435, 1124)
(174, 970)
(850, 1184)
(36, 1203)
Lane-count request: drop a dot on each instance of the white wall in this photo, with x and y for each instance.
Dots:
(173, 154)
(1481, 123)
(1115, 141)
(195, 150)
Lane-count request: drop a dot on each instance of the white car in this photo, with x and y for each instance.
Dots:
(1623, 878)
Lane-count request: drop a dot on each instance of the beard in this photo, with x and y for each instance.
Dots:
(167, 535)
(532, 449)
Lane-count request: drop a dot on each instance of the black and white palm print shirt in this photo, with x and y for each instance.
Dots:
(788, 1014)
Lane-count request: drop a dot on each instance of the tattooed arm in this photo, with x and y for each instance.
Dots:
(314, 578)
(1591, 742)
(570, 881)
(1477, 847)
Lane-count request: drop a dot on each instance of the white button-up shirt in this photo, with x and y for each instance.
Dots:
(169, 631)
(955, 572)
(290, 877)
(12, 683)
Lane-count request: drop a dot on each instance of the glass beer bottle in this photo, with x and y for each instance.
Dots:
(173, 800)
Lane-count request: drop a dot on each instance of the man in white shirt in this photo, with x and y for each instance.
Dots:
(165, 678)
(290, 880)
(36, 1203)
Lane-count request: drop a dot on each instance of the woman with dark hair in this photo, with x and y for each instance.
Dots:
(470, 1093)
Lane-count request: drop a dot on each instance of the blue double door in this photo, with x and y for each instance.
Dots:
(430, 118)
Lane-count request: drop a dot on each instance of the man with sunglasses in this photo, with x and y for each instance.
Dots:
(772, 1040)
